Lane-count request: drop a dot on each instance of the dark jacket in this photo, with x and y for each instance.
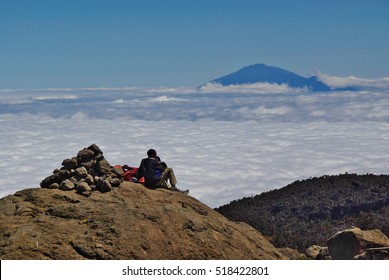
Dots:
(151, 169)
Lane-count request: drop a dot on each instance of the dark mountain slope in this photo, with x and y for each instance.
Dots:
(310, 211)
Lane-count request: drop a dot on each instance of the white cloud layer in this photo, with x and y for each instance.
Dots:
(264, 88)
(222, 146)
(352, 81)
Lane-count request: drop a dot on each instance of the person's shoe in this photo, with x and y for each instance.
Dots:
(174, 188)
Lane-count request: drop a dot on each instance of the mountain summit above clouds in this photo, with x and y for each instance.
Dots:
(129, 222)
(261, 73)
(261, 78)
(125, 221)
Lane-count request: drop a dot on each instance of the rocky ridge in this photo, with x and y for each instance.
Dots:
(311, 211)
(85, 210)
(129, 222)
(96, 218)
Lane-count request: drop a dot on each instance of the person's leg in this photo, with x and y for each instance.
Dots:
(168, 174)
(172, 177)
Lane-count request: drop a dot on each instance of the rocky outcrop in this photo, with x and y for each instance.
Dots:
(292, 254)
(317, 252)
(129, 222)
(67, 219)
(84, 173)
(378, 253)
(356, 243)
(351, 244)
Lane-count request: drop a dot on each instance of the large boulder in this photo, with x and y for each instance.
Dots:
(346, 244)
(129, 222)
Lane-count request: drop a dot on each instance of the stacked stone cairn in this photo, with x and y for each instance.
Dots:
(87, 172)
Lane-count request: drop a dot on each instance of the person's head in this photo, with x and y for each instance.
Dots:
(152, 153)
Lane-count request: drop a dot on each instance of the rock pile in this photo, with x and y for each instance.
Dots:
(86, 172)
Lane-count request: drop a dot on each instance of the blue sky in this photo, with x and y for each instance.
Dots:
(149, 43)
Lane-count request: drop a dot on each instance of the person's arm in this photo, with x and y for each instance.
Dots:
(140, 173)
(126, 167)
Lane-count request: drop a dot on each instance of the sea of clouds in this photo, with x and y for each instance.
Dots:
(223, 144)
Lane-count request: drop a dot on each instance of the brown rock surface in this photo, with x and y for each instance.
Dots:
(292, 254)
(346, 244)
(315, 251)
(130, 222)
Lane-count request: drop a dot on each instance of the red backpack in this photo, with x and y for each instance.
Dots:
(130, 174)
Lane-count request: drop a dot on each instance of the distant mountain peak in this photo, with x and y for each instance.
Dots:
(262, 73)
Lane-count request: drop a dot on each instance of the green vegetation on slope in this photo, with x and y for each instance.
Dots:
(310, 211)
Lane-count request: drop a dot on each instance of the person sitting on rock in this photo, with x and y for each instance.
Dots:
(156, 173)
